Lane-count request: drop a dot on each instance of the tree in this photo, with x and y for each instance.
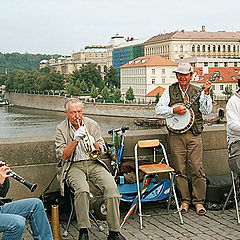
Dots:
(129, 94)
(227, 92)
(94, 92)
(83, 86)
(90, 74)
(117, 95)
(105, 93)
(111, 77)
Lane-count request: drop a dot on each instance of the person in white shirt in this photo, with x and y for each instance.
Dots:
(233, 131)
(186, 148)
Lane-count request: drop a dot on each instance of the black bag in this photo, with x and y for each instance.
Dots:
(218, 187)
(55, 198)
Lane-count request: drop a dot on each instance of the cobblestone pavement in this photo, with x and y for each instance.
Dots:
(213, 225)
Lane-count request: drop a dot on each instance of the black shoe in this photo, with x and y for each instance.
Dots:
(83, 234)
(115, 236)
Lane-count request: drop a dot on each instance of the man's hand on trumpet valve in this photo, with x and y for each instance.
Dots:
(80, 133)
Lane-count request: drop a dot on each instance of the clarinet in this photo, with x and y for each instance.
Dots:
(20, 179)
(31, 186)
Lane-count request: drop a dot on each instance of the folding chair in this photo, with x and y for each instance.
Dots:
(234, 190)
(152, 169)
(71, 196)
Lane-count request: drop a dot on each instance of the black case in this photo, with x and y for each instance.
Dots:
(218, 187)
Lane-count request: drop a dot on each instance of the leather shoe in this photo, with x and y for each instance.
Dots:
(83, 234)
(115, 236)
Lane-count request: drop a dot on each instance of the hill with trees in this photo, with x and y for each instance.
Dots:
(17, 61)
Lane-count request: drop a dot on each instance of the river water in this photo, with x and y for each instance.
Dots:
(23, 122)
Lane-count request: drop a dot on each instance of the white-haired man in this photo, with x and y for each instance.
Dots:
(77, 167)
(186, 148)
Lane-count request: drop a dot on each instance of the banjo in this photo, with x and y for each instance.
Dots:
(182, 123)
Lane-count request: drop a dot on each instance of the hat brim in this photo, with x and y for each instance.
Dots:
(176, 71)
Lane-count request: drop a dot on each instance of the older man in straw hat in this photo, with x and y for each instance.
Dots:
(186, 147)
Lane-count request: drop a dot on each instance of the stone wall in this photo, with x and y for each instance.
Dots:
(56, 103)
(34, 158)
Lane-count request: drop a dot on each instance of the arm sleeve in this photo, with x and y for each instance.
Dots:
(232, 115)
(162, 107)
(4, 188)
(205, 103)
(60, 144)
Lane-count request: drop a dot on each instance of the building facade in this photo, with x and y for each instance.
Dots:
(184, 44)
(127, 52)
(226, 78)
(68, 64)
(144, 74)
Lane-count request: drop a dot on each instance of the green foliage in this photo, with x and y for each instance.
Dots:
(89, 74)
(129, 94)
(94, 92)
(112, 77)
(117, 95)
(157, 97)
(23, 80)
(83, 86)
(105, 93)
(16, 61)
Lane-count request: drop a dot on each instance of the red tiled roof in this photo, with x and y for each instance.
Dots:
(155, 91)
(151, 60)
(228, 74)
(194, 35)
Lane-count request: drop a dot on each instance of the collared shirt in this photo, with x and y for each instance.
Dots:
(80, 150)
(163, 109)
(233, 118)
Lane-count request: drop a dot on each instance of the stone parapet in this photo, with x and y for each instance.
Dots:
(34, 157)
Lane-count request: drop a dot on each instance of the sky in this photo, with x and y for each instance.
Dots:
(66, 26)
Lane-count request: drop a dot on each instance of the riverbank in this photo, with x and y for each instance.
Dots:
(56, 103)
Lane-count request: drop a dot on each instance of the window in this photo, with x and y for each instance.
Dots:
(213, 87)
(181, 48)
(214, 48)
(230, 86)
(153, 81)
(216, 64)
(193, 48)
(163, 71)
(198, 48)
(235, 64)
(205, 64)
(220, 78)
(203, 48)
(233, 78)
(221, 87)
(225, 64)
(153, 71)
(163, 80)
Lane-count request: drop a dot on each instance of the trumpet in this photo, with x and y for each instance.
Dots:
(31, 186)
(92, 151)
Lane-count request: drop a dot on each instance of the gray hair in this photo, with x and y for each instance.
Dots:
(72, 101)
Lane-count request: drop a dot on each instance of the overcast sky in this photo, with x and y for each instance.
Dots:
(64, 26)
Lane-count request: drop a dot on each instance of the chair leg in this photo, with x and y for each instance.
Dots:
(175, 197)
(65, 234)
(99, 226)
(227, 199)
(235, 197)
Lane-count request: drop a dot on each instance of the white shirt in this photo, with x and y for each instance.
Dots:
(164, 110)
(233, 118)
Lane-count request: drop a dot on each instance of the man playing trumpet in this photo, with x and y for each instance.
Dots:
(76, 139)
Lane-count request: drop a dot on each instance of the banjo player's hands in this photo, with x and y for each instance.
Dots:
(179, 110)
(207, 86)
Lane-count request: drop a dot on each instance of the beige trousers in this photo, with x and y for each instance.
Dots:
(186, 149)
(77, 177)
